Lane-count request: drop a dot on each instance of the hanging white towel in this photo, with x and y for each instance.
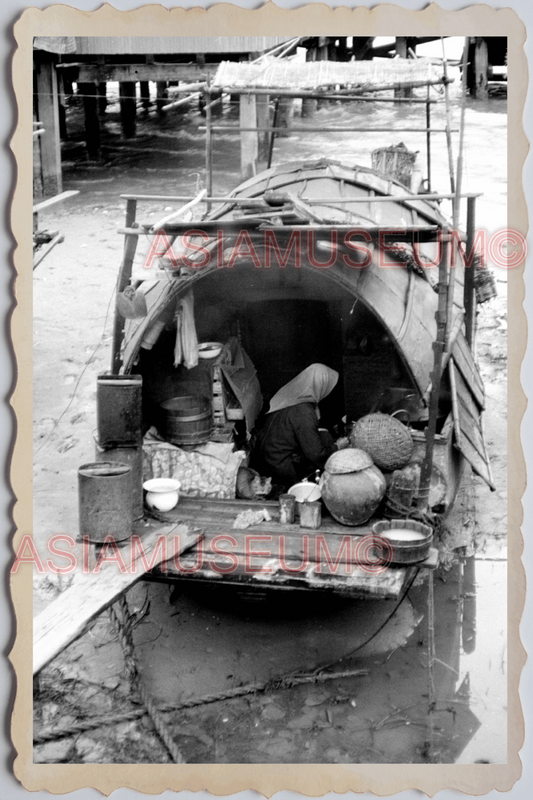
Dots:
(186, 347)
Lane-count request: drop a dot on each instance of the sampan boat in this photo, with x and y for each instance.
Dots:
(302, 263)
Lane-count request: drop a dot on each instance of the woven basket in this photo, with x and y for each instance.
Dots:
(396, 162)
(385, 439)
(348, 460)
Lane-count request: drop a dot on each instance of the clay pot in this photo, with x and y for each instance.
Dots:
(352, 497)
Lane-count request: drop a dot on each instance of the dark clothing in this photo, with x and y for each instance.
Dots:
(289, 446)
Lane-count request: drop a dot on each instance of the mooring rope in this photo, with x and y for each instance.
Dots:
(276, 684)
(124, 627)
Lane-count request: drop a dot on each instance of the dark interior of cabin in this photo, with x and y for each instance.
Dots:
(286, 320)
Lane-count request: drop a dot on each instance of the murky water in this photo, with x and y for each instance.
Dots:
(400, 710)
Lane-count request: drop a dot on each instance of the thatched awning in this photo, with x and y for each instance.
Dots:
(55, 44)
(291, 74)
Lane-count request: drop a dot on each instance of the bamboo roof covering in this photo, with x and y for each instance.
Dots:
(290, 74)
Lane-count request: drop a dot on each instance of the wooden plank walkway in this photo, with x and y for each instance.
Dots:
(71, 614)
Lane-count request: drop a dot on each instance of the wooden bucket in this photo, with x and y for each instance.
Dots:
(186, 420)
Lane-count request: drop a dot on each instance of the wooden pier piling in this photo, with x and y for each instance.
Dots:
(92, 123)
(249, 143)
(162, 96)
(128, 108)
(145, 95)
(262, 103)
(48, 111)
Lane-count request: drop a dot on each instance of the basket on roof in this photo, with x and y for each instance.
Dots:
(395, 162)
(385, 438)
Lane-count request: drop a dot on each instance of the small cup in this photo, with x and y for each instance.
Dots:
(310, 515)
(286, 508)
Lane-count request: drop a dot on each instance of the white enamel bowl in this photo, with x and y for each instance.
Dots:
(162, 493)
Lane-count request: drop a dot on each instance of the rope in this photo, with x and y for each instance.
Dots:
(370, 638)
(124, 628)
(284, 682)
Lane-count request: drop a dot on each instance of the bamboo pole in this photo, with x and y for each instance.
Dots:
(341, 94)
(181, 102)
(130, 246)
(458, 185)
(311, 129)
(448, 119)
(311, 201)
(208, 144)
(428, 139)
(469, 299)
(436, 376)
(176, 214)
(273, 134)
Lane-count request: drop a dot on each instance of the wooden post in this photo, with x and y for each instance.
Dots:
(273, 134)
(62, 110)
(436, 376)
(428, 141)
(145, 95)
(130, 246)
(309, 105)
(102, 98)
(37, 171)
(322, 48)
(481, 68)
(285, 114)
(402, 46)
(262, 102)
(92, 124)
(249, 148)
(48, 106)
(469, 291)
(208, 146)
(161, 96)
(128, 109)
(216, 99)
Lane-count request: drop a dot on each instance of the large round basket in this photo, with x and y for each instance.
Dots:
(385, 439)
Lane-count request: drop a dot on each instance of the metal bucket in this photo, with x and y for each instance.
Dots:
(105, 508)
(133, 456)
(119, 409)
(186, 420)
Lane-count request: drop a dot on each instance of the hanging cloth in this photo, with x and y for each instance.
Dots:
(186, 347)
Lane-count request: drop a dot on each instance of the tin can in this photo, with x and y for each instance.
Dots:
(310, 515)
(119, 409)
(133, 456)
(287, 503)
(105, 507)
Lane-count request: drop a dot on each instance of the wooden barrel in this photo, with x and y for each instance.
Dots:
(186, 420)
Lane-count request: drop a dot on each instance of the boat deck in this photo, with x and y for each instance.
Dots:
(271, 555)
